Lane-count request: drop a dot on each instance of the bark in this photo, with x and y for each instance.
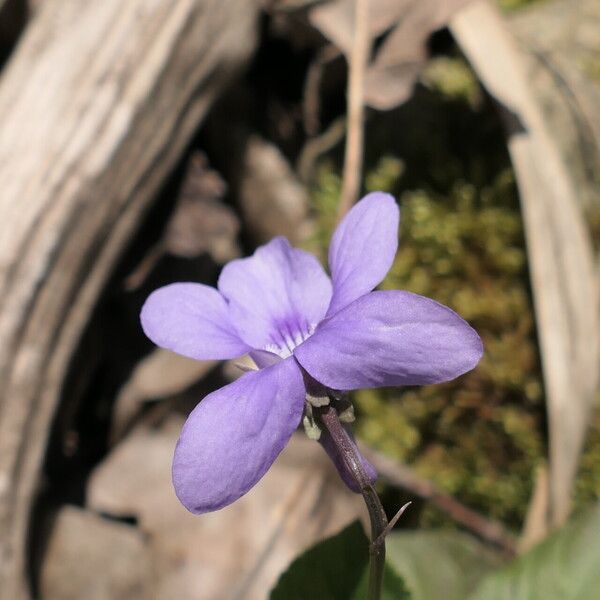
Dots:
(96, 105)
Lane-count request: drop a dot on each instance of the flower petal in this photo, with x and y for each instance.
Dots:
(277, 296)
(233, 436)
(362, 249)
(263, 358)
(193, 320)
(390, 338)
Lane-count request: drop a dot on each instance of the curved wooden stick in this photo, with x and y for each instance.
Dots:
(96, 106)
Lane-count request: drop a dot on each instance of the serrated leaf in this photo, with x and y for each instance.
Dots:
(336, 569)
(566, 565)
(439, 564)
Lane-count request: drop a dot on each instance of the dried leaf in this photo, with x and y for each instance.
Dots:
(561, 60)
(390, 76)
(81, 541)
(535, 528)
(272, 199)
(290, 5)
(335, 20)
(201, 222)
(558, 246)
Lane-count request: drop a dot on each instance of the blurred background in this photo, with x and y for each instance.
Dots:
(152, 141)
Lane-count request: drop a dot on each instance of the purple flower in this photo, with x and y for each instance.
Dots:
(301, 328)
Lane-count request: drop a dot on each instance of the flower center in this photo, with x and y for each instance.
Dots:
(287, 334)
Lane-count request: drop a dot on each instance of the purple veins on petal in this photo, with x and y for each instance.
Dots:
(273, 293)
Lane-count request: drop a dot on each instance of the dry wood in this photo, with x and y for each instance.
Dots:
(353, 157)
(271, 199)
(96, 105)
(558, 245)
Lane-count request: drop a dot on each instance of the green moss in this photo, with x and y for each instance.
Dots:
(452, 77)
(587, 486)
(510, 5)
(480, 436)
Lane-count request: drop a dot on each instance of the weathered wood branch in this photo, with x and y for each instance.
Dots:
(96, 106)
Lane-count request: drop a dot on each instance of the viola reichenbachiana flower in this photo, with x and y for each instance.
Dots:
(303, 330)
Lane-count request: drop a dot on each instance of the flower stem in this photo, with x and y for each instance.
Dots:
(377, 516)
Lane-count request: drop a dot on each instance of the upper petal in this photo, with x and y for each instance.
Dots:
(362, 248)
(191, 319)
(277, 296)
(233, 436)
(390, 338)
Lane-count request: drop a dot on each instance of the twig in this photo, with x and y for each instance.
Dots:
(317, 146)
(353, 158)
(311, 103)
(142, 270)
(403, 477)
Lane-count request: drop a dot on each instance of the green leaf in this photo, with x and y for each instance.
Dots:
(330, 570)
(336, 569)
(394, 587)
(439, 564)
(566, 565)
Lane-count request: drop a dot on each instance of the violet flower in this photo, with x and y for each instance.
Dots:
(301, 328)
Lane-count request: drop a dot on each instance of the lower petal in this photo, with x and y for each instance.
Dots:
(233, 436)
(387, 339)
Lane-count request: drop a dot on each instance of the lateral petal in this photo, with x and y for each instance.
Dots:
(191, 319)
(390, 338)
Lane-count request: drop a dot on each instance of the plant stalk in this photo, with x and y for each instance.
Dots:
(353, 158)
(377, 516)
